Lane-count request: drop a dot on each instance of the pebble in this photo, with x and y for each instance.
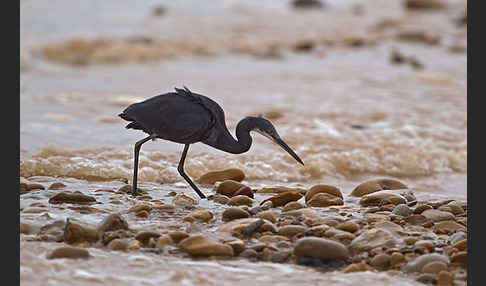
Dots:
(291, 230)
(164, 241)
(402, 210)
(177, 236)
(418, 264)
(328, 189)
(436, 215)
(321, 248)
(56, 186)
(249, 253)
(415, 219)
(381, 261)
(219, 176)
(455, 207)
(142, 214)
(241, 200)
(456, 237)
(380, 197)
(324, 200)
(68, 252)
(460, 257)
(202, 215)
(118, 244)
(283, 198)
(75, 233)
(421, 208)
(424, 244)
(357, 267)
(424, 4)
(374, 238)
(318, 230)
(238, 246)
(268, 239)
(434, 267)
(270, 215)
(199, 245)
(292, 206)
(266, 205)
(348, 226)
(112, 222)
(396, 259)
(427, 278)
(445, 278)
(141, 207)
(144, 236)
(245, 191)
(252, 227)
(376, 185)
(228, 187)
(221, 199)
(448, 227)
(460, 245)
(73, 198)
(281, 256)
(184, 200)
(234, 213)
(279, 190)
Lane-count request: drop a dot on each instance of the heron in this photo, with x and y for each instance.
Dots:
(186, 117)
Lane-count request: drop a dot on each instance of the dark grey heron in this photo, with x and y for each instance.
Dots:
(186, 117)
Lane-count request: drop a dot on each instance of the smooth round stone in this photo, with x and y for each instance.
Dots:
(117, 244)
(348, 226)
(184, 200)
(445, 278)
(456, 237)
(244, 191)
(221, 199)
(68, 252)
(292, 206)
(396, 258)
(202, 215)
(228, 187)
(459, 257)
(283, 198)
(328, 189)
(234, 213)
(56, 186)
(322, 200)
(241, 200)
(427, 278)
(291, 230)
(381, 261)
(357, 267)
(376, 185)
(434, 267)
(421, 208)
(402, 210)
(73, 198)
(199, 245)
(144, 236)
(460, 245)
(270, 215)
(178, 236)
(448, 227)
(418, 264)
(112, 222)
(249, 253)
(437, 215)
(320, 248)
(219, 176)
(374, 238)
(378, 198)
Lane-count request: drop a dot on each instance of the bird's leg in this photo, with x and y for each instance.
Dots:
(138, 145)
(180, 168)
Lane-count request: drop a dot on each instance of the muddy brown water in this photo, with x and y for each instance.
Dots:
(349, 113)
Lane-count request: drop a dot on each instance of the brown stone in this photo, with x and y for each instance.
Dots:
(241, 200)
(234, 213)
(324, 200)
(434, 267)
(381, 261)
(396, 259)
(448, 227)
(177, 236)
(75, 233)
(73, 198)
(113, 222)
(357, 267)
(436, 215)
(199, 245)
(228, 187)
(144, 236)
(219, 176)
(284, 198)
(421, 208)
(376, 185)
(320, 248)
(332, 190)
(68, 252)
(348, 226)
(460, 257)
(291, 230)
(380, 197)
(445, 278)
(279, 190)
(292, 206)
(117, 244)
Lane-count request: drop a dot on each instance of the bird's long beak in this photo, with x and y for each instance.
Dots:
(286, 147)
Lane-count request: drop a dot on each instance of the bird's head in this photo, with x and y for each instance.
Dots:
(266, 128)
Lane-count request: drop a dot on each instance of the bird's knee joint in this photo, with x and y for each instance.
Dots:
(180, 169)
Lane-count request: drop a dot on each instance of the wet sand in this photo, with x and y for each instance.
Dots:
(330, 80)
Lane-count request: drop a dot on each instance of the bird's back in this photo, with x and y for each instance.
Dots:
(180, 116)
